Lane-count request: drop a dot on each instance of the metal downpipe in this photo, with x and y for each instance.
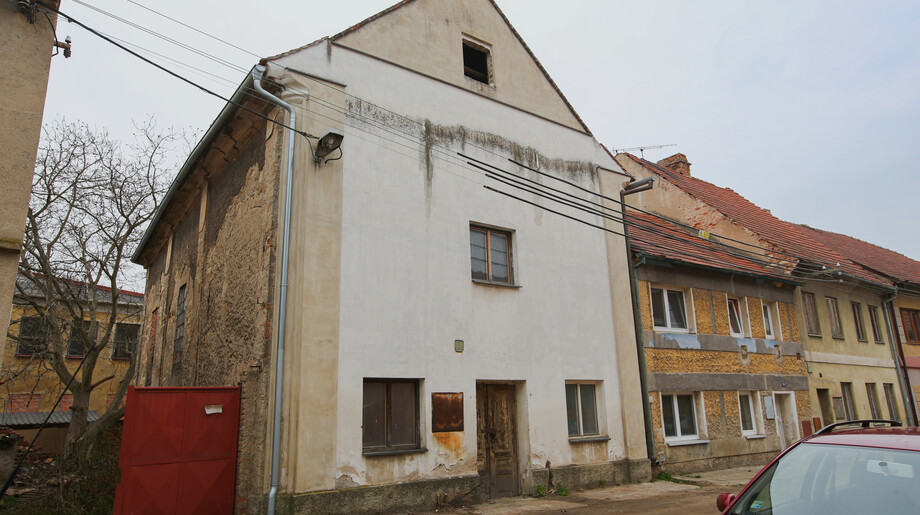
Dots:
(257, 73)
(887, 307)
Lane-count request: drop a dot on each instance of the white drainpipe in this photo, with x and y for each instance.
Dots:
(257, 73)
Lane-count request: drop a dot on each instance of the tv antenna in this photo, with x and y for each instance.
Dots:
(642, 149)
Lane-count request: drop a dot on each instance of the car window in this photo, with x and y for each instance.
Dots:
(819, 478)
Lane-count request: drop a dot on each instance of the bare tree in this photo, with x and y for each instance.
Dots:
(92, 197)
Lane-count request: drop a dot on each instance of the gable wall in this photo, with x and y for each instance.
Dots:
(426, 36)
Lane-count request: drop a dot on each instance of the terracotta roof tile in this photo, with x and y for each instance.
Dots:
(787, 238)
(872, 257)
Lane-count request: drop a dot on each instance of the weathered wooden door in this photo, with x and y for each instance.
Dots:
(496, 439)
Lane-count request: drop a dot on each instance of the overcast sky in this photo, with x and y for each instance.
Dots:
(809, 109)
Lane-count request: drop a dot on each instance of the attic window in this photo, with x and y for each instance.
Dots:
(477, 61)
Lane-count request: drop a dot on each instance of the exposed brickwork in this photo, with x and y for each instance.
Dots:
(702, 306)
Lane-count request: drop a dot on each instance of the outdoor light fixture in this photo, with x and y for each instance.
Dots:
(329, 142)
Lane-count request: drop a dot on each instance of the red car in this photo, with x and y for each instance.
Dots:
(867, 469)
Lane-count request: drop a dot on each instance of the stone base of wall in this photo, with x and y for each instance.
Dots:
(596, 475)
(425, 495)
(366, 500)
(756, 460)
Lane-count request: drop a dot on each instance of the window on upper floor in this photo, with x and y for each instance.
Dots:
(834, 314)
(874, 322)
(125, 340)
(33, 332)
(910, 320)
(581, 409)
(82, 336)
(679, 416)
(811, 313)
(669, 311)
(490, 255)
(858, 321)
(736, 317)
(771, 324)
(390, 420)
(477, 60)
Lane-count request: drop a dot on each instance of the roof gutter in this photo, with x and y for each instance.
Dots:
(204, 144)
(256, 76)
(909, 412)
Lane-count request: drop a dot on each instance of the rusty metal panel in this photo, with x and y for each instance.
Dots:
(446, 412)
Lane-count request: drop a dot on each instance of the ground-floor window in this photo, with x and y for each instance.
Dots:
(749, 410)
(679, 415)
(390, 420)
(581, 409)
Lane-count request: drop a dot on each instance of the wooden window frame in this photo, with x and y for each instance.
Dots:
(833, 314)
(891, 401)
(480, 47)
(910, 320)
(874, 322)
(489, 232)
(389, 447)
(858, 321)
(849, 403)
(181, 306)
(666, 300)
(810, 309)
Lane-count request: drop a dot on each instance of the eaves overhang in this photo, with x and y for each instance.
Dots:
(660, 260)
(241, 94)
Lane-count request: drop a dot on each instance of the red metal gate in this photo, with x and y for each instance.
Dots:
(178, 451)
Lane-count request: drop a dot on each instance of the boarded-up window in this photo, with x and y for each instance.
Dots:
(834, 314)
(24, 402)
(446, 412)
(180, 322)
(390, 415)
(873, 320)
(811, 313)
(858, 321)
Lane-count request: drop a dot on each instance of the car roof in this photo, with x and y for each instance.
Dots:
(903, 438)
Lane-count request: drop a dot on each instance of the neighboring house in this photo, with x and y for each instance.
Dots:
(726, 375)
(901, 307)
(29, 386)
(847, 376)
(441, 340)
(26, 43)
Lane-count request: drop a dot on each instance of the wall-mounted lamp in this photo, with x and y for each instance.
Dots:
(330, 141)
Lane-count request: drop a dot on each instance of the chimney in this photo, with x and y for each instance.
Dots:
(676, 163)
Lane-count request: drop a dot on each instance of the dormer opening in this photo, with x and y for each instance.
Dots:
(477, 61)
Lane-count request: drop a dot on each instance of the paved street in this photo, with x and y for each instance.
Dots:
(697, 496)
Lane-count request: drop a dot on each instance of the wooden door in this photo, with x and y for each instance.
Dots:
(496, 439)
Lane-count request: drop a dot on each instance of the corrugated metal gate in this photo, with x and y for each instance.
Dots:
(178, 451)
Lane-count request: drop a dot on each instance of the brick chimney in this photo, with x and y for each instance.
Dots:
(677, 163)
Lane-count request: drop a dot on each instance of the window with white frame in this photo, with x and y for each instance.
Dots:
(748, 405)
(679, 416)
(735, 317)
(669, 310)
(581, 409)
(771, 325)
